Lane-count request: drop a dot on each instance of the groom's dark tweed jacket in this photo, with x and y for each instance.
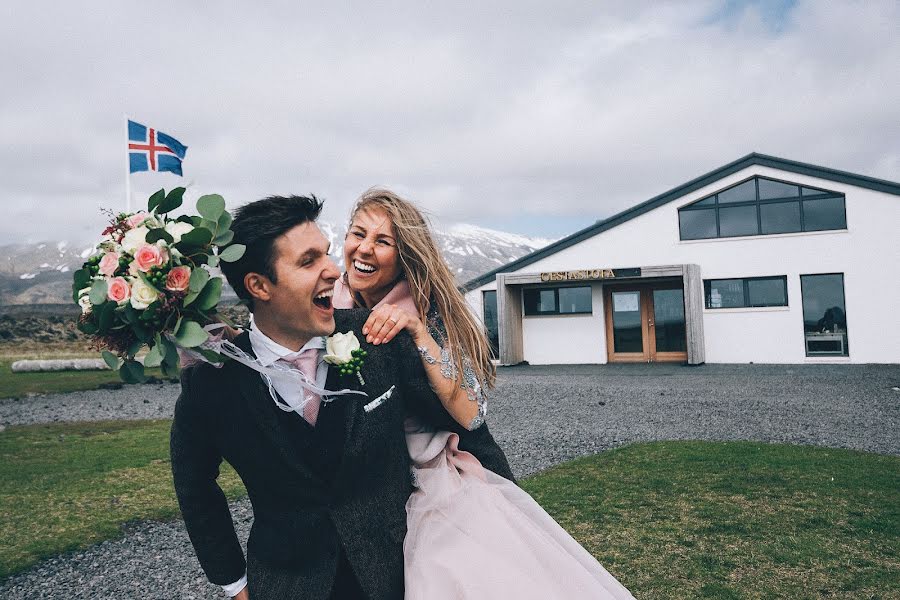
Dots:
(317, 493)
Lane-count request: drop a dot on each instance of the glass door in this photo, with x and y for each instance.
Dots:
(628, 323)
(668, 328)
(646, 323)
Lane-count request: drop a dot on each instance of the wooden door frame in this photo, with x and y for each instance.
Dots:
(648, 329)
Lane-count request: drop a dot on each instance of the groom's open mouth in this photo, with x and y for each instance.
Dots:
(323, 299)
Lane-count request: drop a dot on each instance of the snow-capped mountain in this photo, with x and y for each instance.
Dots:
(42, 273)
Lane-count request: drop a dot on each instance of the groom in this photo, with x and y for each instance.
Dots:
(329, 487)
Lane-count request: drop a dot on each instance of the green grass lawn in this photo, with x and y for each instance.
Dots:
(66, 486)
(17, 385)
(670, 520)
(734, 520)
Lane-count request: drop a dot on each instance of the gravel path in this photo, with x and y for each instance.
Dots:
(540, 415)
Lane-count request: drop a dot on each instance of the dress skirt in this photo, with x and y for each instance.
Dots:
(472, 534)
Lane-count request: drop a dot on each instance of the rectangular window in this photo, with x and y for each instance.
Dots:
(824, 214)
(824, 315)
(780, 217)
(738, 220)
(574, 300)
(698, 224)
(746, 292)
(491, 323)
(557, 301)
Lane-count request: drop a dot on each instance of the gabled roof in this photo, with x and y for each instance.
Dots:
(752, 159)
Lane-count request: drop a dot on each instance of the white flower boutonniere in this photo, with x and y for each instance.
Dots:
(342, 350)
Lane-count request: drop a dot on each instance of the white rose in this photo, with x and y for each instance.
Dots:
(134, 239)
(84, 300)
(177, 229)
(142, 295)
(339, 348)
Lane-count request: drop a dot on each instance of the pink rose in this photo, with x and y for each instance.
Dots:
(109, 263)
(118, 291)
(136, 219)
(178, 279)
(149, 256)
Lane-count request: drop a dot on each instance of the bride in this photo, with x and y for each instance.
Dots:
(470, 532)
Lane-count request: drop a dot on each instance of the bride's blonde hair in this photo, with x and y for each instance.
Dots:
(430, 280)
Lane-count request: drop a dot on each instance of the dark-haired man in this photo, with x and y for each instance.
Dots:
(329, 480)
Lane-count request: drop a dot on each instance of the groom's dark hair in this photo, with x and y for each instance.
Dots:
(256, 225)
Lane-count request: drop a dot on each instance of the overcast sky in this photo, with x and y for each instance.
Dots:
(531, 117)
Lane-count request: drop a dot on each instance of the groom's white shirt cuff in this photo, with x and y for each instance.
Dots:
(268, 351)
(235, 588)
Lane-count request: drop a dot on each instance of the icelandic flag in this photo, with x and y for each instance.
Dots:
(152, 150)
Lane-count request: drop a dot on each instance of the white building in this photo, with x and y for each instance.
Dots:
(764, 260)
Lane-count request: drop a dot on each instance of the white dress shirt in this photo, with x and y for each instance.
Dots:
(268, 351)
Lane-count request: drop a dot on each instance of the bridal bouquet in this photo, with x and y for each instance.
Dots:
(153, 281)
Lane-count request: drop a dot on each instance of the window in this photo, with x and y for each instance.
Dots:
(557, 301)
(489, 302)
(746, 292)
(824, 315)
(762, 206)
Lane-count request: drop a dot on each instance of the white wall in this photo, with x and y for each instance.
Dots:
(867, 253)
(575, 339)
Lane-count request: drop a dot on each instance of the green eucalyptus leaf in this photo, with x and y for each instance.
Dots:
(170, 353)
(87, 327)
(107, 316)
(98, 292)
(212, 260)
(135, 347)
(111, 360)
(211, 225)
(199, 277)
(186, 219)
(155, 199)
(172, 201)
(80, 280)
(189, 299)
(153, 358)
(132, 372)
(224, 220)
(224, 238)
(143, 334)
(169, 368)
(209, 297)
(154, 235)
(232, 253)
(210, 355)
(197, 237)
(190, 334)
(211, 206)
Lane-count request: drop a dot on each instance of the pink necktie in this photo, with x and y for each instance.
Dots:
(308, 363)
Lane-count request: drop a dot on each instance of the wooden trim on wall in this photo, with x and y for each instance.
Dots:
(693, 315)
(509, 307)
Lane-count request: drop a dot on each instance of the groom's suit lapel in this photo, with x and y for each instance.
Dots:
(351, 404)
(260, 404)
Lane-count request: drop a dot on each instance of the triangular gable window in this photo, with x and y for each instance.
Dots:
(762, 206)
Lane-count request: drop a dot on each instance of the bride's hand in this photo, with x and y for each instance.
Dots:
(387, 321)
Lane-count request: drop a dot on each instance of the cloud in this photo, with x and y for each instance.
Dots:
(477, 111)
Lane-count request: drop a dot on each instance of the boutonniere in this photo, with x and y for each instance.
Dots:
(343, 351)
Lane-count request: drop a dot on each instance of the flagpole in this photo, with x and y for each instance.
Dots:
(127, 170)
